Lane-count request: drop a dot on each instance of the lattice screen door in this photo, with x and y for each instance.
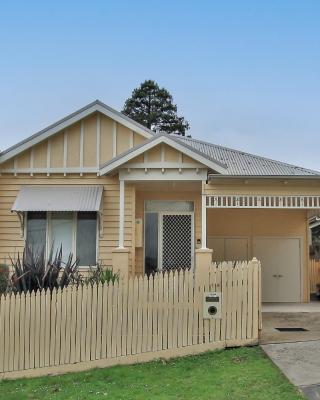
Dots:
(176, 241)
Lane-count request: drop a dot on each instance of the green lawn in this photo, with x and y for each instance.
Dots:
(242, 373)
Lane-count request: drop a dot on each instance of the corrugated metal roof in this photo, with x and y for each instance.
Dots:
(58, 198)
(241, 163)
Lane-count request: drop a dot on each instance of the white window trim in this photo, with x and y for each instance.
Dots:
(74, 235)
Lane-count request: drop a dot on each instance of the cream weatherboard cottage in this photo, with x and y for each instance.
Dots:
(109, 189)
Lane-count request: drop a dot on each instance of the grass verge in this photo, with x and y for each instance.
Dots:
(240, 373)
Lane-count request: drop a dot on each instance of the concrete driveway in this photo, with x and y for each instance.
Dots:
(307, 320)
(300, 362)
(297, 354)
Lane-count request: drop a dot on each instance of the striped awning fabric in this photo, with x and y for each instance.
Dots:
(58, 198)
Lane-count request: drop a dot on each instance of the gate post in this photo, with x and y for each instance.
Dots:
(257, 288)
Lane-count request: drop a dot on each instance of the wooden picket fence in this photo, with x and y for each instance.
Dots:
(141, 319)
(314, 274)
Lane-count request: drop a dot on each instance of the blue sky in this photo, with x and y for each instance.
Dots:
(245, 74)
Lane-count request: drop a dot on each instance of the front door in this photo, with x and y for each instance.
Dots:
(169, 238)
(176, 241)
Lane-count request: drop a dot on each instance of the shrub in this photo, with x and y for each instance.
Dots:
(4, 276)
(99, 274)
(34, 272)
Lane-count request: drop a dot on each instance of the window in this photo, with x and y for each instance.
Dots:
(75, 231)
(36, 229)
(151, 242)
(61, 233)
(86, 237)
(168, 206)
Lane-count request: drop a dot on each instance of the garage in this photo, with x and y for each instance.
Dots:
(280, 267)
(280, 260)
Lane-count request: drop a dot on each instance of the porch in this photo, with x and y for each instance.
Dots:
(188, 211)
(273, 229)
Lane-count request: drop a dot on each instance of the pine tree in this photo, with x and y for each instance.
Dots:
(153, 107)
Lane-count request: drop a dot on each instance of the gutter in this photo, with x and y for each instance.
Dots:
(212, 177)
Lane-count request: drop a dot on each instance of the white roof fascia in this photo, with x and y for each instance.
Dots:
(113, 165)
(213, 177)
(46, 133)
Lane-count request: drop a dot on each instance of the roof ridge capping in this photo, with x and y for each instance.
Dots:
(261, 158)
(95, 106)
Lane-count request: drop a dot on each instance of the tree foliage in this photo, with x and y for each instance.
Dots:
(153, 107)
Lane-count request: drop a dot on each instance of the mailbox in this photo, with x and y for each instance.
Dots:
(212, 305)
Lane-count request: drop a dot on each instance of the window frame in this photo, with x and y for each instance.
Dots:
(74, 234)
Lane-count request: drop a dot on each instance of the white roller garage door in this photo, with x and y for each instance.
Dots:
(281, 265)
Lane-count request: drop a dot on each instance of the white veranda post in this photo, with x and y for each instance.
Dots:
(204, 222)
(121, 215)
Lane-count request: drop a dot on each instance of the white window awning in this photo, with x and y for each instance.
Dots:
(58, 198)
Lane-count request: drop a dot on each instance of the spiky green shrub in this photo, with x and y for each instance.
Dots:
(100, 274)
(34, 272)
(4, 276)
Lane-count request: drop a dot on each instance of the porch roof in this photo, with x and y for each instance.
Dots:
(204, 159)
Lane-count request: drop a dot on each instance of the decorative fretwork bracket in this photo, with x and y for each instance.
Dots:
(22, 218)
(100, 224)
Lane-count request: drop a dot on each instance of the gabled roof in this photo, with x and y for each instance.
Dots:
(170, 140)
(227, 162)
(96, 106)
(240, 163)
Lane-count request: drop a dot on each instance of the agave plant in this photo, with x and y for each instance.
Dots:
(36, 272)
